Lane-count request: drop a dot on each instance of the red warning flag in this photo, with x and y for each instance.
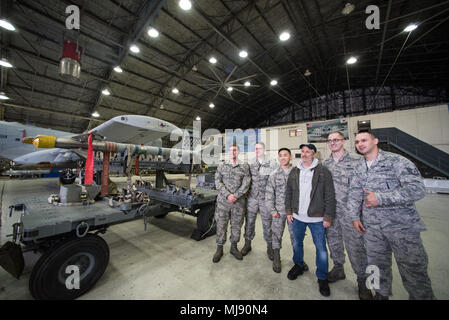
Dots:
(89, 170)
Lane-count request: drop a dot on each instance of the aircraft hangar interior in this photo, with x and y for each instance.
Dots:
(207, 150)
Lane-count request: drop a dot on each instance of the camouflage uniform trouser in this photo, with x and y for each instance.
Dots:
(254, 205)
(341, 231)
(277, 230)
(410, 257)
(223, 213)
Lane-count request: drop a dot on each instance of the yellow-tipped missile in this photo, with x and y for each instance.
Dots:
(43, 141)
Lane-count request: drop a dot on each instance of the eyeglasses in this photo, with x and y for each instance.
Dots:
(334, 140)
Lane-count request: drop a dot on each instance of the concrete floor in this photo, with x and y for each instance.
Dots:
(164, 263)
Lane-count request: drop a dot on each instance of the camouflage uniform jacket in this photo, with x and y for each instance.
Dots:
(397, 184)
(275, 191)
(342, 172)
(232, 179)
(260, 172)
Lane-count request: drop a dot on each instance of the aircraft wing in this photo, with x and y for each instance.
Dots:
(55, 155)
(134, 129)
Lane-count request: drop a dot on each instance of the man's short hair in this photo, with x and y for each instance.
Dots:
(369, 132)
(234, 145)
(339, 133)
(286, 149)
(261, 143)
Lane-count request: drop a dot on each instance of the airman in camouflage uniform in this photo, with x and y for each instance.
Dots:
(385, 186)
(232, 181)
(275, 204)
(260, 171)
(342, 164)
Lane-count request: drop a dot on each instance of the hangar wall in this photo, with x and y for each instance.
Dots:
(430, 124)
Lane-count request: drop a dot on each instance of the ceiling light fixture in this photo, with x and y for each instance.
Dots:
(175, 90)
(213, 60)
(134, 48)
(351, 60)
(243, 54)
(229, 89)
(198, 118)
(273, 82)
(211, 105)
(6, 25)
(411, 27)
(307, 73)
(247, 83)
(3, 96)
(118, 69)
(349, 7)
(161, 107)
(284, 36)
(185, 4)
(5, 63)
(153, 33)
(95, 114)
(106, 92)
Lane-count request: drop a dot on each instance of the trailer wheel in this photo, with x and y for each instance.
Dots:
(205, 222)
(50, 276)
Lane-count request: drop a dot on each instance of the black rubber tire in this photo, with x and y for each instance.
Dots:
(47, 280)
(206, 217)
(64, 179)
(160, 216)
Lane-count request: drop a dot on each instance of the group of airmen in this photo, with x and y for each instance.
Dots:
(364, 203)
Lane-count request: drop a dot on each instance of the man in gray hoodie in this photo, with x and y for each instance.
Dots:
(310, 202)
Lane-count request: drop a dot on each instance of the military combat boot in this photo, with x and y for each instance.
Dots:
(364, 292)
(246, 248)
(218, 254)
(270, 252)
(235, 252)
(277, 261)
(337, 273)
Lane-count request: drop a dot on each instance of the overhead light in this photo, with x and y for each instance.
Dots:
(95, 114)
(194, 68)
(106, 92)
(307, 73)
(175, 90)
(211, 105)
(118, 69)
(153, 33)
(273, 82)
(351, 60)
(213, 60)
(7, 25)
(229, 89)
(134, 48)
(349, 7)
(411, 27)
(5, 63)
(243, 54)
(198, 118)
(247, 83)
(185, 4)
(161, 107)
(284, 36)
(3, 96)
